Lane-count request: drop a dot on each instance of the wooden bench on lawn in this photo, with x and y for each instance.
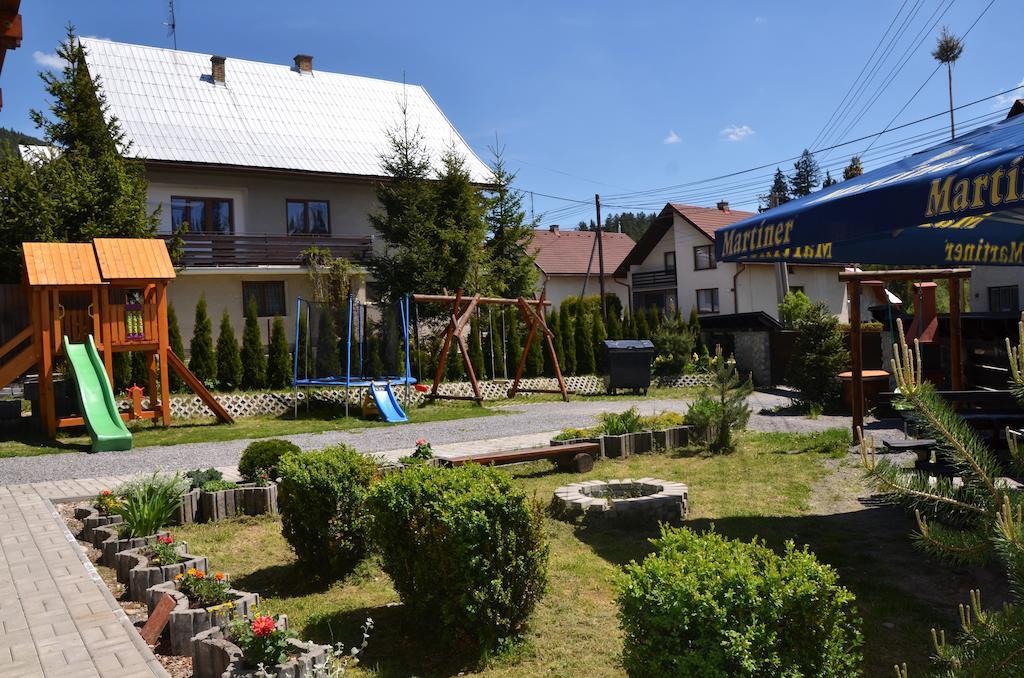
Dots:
(577, 457)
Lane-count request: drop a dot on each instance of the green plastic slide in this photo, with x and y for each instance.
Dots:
(96, 398)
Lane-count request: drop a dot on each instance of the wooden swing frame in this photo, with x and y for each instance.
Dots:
(462, 308)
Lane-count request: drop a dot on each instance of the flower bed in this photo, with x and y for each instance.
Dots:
(106, 539)
(215, 656)
(247, 499)
(93, 518)
(135, 568)
(186, 620)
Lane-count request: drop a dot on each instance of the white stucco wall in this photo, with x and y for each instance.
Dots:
(984, 277)
(560, 287)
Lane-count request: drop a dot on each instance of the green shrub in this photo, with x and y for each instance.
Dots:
(819, 355)
(465, 549)
(323, 506)
(618, 423)
(177, 345)
(704, 605)
(202, 361)
(574, 433)
(722, 406)
(664, 420)
(673, 346)
(148, 505)
(218, 485)
(279, 363)
(266, 455)
(229, 358)
(793, 308)
(198, 477)
(254, 362)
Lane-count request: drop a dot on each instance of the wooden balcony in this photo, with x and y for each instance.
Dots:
(216, 249)
(654, 280)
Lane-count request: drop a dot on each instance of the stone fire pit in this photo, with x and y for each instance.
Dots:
(643, 500)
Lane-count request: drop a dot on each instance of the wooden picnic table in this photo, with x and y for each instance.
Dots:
(577, 457)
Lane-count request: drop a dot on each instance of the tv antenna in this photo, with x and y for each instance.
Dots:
(171, 23)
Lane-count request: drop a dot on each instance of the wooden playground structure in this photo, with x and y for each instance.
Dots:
(114, 290)
(462, 309)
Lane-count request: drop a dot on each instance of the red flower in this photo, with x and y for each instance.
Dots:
(421, 441)
(106, 493)
(165, 540)
(263, 626)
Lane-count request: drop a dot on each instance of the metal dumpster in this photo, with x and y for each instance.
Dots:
(629, 364)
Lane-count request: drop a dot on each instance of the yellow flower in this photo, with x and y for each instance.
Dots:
(179, 577)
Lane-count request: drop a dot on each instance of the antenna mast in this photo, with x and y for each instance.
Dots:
(171, 23)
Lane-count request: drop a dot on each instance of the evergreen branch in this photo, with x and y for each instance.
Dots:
(1009, 542)
(960, 546)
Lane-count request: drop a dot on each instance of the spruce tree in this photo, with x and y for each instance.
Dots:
(568, 332)
(778, 193)
(511, 268)
(229, 359)
(854, 169)
(722, 407)
(279, 362)
(513, 340)
(497, 342)
(584, 341)
(806, 175)
(476, 348)
(643, 329)
(254, 362)
(554, 324)
(177, 346)
(829, 181)
(600, 355)
(614, 325)
(202, 361)
(818, 356)
(535, 358)
(628, 326)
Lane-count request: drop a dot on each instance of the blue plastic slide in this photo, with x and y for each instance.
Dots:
(387, 404)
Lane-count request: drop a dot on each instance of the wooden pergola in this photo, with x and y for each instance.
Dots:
(854, 279)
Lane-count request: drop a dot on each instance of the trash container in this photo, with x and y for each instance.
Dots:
(629, 364)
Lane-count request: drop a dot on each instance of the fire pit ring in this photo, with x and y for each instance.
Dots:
(641, 500)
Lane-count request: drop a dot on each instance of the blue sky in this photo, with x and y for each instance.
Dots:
(607, 97)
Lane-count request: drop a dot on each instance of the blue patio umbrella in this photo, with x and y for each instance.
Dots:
(960, 203)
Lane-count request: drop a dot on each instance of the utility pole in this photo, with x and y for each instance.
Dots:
(600, 258)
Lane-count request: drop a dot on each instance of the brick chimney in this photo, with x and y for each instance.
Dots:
(217, 68)
(723, 205)
(303, 63)
(553, 228)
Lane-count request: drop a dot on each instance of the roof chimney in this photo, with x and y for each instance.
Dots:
(303, 63)
(217, 68)
(723, 205)
(553, 228)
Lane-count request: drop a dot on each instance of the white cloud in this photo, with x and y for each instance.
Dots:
(760, 19)
(672, 138)
(47, 60)
(737, 132)
(1006, 100)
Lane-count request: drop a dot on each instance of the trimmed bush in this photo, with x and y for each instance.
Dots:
(202, 361)
(704, 605)
(254, 362)
(465, 549)
(819, 355)
(229, 358)
(177, 345)
(323, 506)
(279, 363)
(266, 455)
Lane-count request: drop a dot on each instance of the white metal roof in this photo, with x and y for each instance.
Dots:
(263, 115)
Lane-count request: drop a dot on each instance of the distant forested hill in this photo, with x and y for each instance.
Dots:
(13, 137)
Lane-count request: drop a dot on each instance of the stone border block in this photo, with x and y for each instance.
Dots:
(133, 569)
(247, 500)
(91, 519)
(185, 622)
(672, 438)
(112, 545)
(214, 656)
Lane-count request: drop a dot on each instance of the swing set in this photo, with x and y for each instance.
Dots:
(462, 309)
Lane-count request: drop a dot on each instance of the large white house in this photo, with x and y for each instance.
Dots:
(673, 266)
(262, 161)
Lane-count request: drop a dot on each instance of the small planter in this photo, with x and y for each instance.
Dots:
(185, 622)
(245, 500)
(134, 569)
(214, 656)
(626, 444)
(91, 519)
(111, 546)
(672, 438)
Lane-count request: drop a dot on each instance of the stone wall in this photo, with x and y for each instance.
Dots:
(754, 356)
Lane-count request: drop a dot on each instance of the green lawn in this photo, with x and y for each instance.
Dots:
(764, 488)
(207, 430)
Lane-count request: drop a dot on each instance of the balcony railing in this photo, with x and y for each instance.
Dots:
(654, 279)
(249, 249)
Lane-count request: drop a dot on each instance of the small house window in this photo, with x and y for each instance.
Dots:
(269, 296)
(309, 217)
(707, 300)
(703, 257)
(797, 288)
(670, 261)
(1003, 299)
(203, 215)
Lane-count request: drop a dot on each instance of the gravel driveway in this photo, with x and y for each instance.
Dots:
(513, 420)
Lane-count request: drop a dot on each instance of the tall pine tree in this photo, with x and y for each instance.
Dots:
(511, 269)
(556, 341)
(568, 332)
(202, 362)
(806, 175)
(778, 193)
(254, 363)
(229, 359)
(643, 328)
(584, 341)
(614, 325)
(279, 362)
(177, 345)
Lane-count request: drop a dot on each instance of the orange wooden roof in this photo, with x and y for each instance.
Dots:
(61, 263)
(133, 259)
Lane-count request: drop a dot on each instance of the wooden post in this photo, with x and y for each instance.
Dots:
(108, 334)
(164, 342)
(856, 357)
(530, 333)
(956, 364)
(442, 360)
(47, 406)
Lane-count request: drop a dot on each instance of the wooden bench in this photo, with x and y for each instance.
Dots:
(923, 447)
(577, 457)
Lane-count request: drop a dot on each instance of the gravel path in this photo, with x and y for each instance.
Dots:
(516, 419)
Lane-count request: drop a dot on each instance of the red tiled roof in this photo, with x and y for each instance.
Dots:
(568, 252)
(710, 219)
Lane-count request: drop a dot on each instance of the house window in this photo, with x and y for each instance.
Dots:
(797, 288)
(670, 261)
(203, 215)
(707, 300)
(309, 217)
(1003, 299)
(703, 257)
(269, 296)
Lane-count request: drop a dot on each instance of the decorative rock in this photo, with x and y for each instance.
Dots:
(214, 656)
(658, 500)
(185, 622)
(249, 500)
(134, 569)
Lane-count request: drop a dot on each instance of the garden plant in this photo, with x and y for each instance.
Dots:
(264, 455)
(722, 407)
(148, 505)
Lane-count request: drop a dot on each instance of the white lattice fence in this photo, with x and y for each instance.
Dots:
(241, 405)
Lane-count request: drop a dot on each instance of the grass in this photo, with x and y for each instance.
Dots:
(764, 488)
(207, 430)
